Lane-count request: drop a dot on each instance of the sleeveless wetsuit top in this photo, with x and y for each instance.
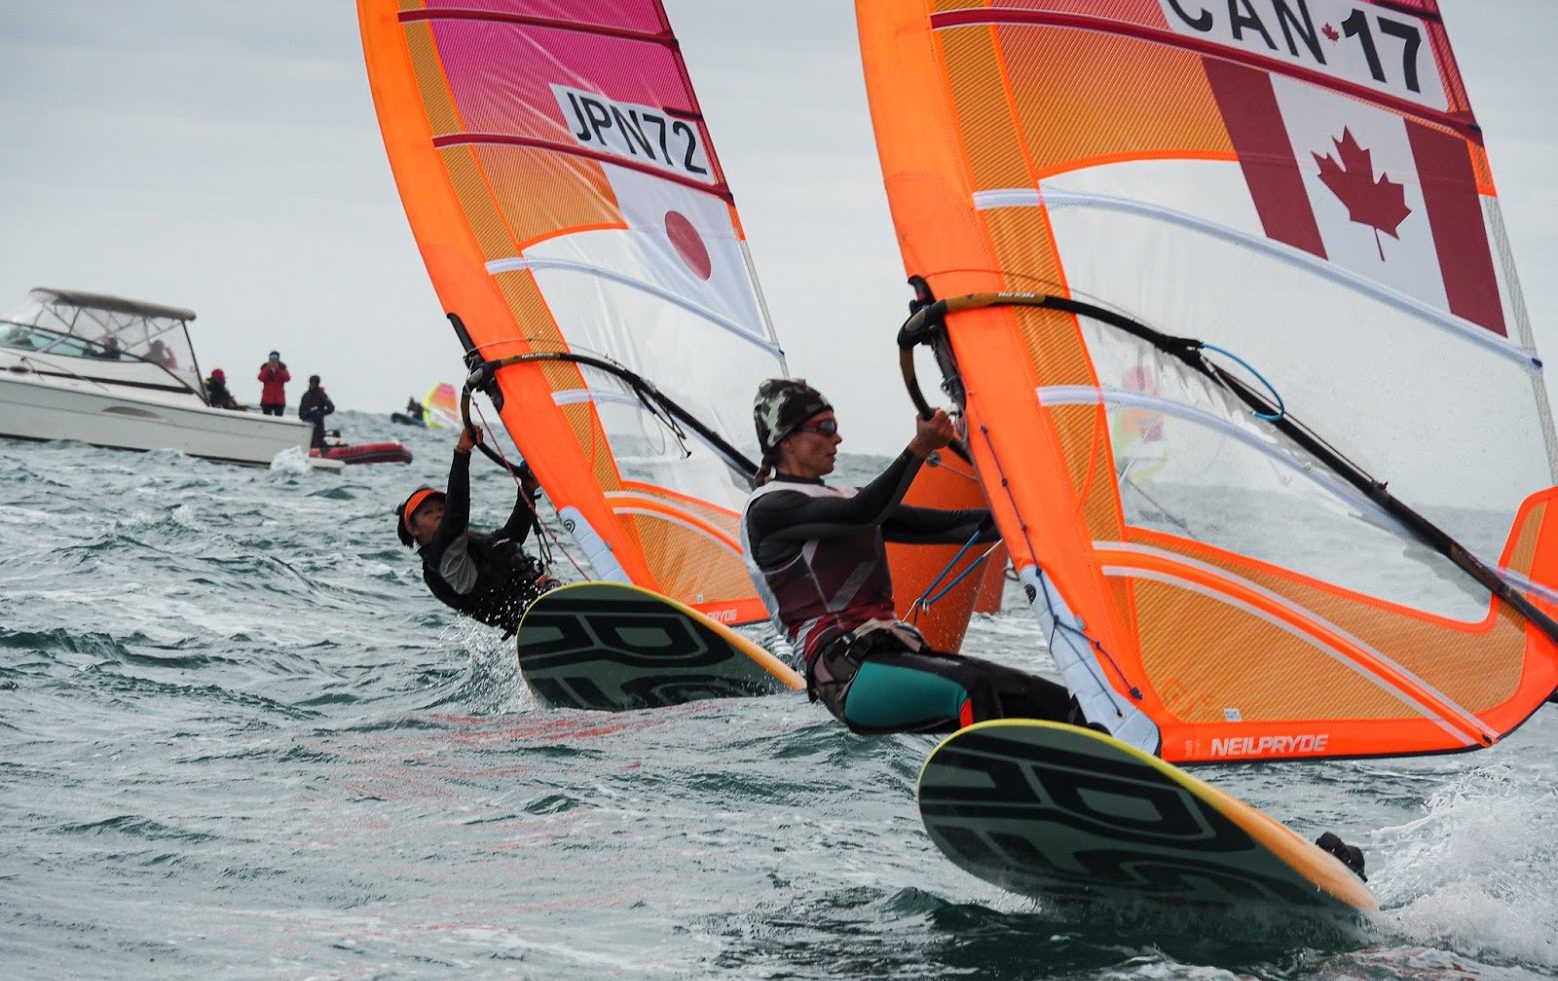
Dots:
(832, 585)
(817, 555)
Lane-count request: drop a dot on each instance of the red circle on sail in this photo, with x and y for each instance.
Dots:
(689, 244)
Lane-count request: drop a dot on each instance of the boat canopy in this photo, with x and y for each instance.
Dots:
(72, 323)
(117, 304)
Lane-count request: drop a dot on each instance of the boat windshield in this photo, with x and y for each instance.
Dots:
(110, 328)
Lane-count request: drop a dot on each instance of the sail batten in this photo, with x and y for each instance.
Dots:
(551, 146)
(662, 37)
(1433, 110)
(1508, 348)
(1462, 729)
(711, 316)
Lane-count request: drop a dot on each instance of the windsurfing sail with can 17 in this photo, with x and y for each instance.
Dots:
(559, 178)
(1246, 370)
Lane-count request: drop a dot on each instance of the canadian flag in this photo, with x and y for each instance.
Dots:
(1375, 192)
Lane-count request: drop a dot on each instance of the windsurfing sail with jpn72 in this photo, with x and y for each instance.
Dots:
(569, 206)
(559, 179)
(1248, 374)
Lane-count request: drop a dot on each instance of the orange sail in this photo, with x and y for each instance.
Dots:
(560, 182)
(563, 189)
(1246, 371)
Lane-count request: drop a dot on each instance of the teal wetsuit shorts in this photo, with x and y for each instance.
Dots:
(874, 685)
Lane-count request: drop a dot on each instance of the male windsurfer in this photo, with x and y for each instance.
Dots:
(823, 571)
(488, 576)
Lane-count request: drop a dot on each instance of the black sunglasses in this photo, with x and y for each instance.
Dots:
(827, 427)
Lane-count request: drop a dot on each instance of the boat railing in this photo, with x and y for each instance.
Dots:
(31, 342)
(33, 361)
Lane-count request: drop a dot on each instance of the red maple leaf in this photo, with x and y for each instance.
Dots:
(1329, 32)
(1380, 204)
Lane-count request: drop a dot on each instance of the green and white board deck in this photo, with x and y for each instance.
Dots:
(1058, 812)
(613, 647)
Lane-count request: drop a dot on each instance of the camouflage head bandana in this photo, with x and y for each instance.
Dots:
(782, 404)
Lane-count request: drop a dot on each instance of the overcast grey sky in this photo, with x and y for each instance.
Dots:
(225, 156)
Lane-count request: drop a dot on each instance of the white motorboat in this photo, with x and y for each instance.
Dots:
(116, 372)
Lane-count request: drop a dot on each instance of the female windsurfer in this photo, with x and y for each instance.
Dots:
(823, 572)
(488, 576)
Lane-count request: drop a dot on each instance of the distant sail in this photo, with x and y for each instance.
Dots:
(443, 406)
(554, 164)
(1259, 319)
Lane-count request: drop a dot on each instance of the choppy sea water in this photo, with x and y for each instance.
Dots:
(238, 738)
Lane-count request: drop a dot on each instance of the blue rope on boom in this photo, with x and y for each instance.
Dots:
(926, 599)
(1281, 409)
(957, 579)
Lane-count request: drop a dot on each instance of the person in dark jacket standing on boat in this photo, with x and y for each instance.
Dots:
(487, 576)
(273, 381)
(313, 407)
(217, 394)
(821, 566)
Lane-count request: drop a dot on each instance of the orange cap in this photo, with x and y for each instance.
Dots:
(415, 501)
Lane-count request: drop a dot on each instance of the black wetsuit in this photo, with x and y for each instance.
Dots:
(487, 576)
(313, 407)
(823, 560)
(218, 395)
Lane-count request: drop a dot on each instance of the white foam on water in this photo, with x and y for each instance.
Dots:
(290, 460)
(1475, 873)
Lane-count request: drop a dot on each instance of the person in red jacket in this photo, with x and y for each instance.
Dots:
(274, 377)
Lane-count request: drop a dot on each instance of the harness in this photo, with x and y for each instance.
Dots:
(831, 673)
